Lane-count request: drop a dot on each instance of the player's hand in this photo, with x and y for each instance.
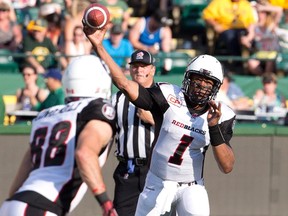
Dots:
(214, 113)
(108, 209)
(96, 36)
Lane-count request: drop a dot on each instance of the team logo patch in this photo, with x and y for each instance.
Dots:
(205, 72)
(173, 100)
(140, 55)
(108, 111)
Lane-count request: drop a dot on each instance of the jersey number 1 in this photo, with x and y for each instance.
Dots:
(176, 158)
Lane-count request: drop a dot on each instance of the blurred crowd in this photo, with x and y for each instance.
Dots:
(53, 29)
(49, 34)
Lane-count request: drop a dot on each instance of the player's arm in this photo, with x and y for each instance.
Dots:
(23, 172)
(90, 142)
(128, 87)
(92, 139)
(224, 156)
(222, 151)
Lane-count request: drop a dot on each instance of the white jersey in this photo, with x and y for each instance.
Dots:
(183, 139)
(53, 143)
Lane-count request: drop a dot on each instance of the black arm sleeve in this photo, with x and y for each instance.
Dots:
(145, 100)
(151, 99)
(227, 129)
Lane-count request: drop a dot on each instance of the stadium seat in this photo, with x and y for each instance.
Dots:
(191, 10)
(190, 52)
(7, 64)
(139, 7)
(188, 22)
(24, 15)
(2, 110)
(10, 102)
(179, 61)
(184, 3)
(282, 63)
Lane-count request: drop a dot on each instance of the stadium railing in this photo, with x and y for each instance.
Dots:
(11, 78)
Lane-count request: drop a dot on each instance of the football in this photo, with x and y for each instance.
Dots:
(96, 16)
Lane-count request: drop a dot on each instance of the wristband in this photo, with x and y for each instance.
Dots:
(102, 198)
(216, 136)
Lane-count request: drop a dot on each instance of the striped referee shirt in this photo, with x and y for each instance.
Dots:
(134, 137)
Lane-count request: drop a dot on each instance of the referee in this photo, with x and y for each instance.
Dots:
(134, 137)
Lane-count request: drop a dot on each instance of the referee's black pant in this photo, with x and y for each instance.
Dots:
(128, 187)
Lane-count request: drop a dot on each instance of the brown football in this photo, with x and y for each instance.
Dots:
(96, 16)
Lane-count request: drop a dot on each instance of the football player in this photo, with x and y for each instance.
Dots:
(67, 147)
(187, 122)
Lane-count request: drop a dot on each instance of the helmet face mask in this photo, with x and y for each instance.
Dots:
(197, 91)
(202, 79)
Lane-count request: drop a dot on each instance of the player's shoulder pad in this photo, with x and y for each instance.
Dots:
(227, 112)
(164, 86)
(98, 109)
(162, 83)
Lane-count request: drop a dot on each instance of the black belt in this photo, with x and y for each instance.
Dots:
(37, 200)
(136, 161)
(187, 183)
